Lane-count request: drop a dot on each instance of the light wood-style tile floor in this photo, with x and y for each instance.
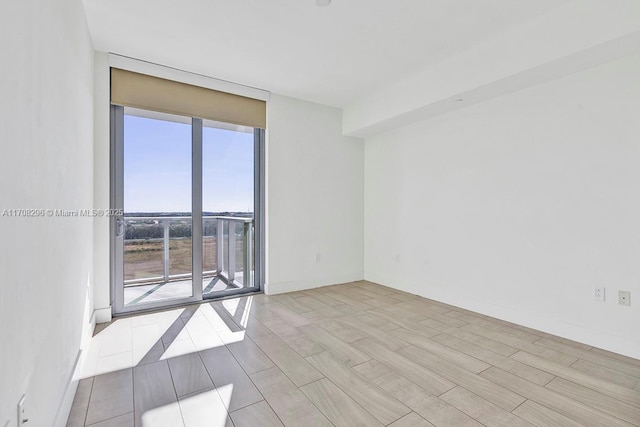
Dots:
(356, 354)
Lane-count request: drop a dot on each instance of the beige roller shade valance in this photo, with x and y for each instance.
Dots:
(153, 93)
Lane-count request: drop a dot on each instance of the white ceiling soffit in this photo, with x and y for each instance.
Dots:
(333, 55)
(574, 37)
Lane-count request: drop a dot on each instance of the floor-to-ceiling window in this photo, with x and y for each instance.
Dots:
(188, 195)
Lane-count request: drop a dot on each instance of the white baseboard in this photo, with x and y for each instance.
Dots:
(69, 394)
(72, 385)
(102, 315)
(540, 321)
(301, 285)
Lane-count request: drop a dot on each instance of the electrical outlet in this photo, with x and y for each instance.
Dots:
(599, 294)
(624, 297)
(318, 257)
(22, 414)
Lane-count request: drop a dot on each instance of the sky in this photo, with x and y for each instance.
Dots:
(157, 167)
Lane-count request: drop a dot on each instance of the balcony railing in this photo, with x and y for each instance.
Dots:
(227, 249)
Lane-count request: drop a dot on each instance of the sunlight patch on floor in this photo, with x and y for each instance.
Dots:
(145, 338)
(231, 337)
(244, 321)
(231, 305)
(207, 408)
(166, 415)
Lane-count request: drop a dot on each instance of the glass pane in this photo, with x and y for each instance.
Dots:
(244, 253)
(227, 205)
(209, 250)
(180, 247)
(157, 207)
(142, 249)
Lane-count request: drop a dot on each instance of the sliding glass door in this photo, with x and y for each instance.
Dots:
(190, 195)
(228, 204)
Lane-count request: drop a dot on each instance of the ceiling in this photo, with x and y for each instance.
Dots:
(332, 55)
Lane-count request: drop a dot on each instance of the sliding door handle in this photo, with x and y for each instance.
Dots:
(119, 227)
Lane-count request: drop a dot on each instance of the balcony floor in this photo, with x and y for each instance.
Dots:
(154, 292)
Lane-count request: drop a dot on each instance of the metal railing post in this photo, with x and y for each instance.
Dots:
(219, 245)
(246, 261)
(232, 252)
(165, 259)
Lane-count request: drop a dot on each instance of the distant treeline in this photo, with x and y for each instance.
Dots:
(179, 228)
(205, 213)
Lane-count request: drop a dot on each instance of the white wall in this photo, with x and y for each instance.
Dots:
(517, 207)
(101, 187)
(46, 162)
(314, 197)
